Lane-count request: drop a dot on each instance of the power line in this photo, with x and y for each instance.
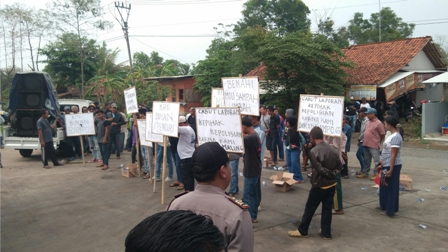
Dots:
(159, 50)
(183, 2)
(176, 36)
(358, 5)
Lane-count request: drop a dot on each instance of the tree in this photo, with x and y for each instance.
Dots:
(282, 16)
(302, 63)
(63, 61)
(363, 31)
(80, 17)
(340, 37)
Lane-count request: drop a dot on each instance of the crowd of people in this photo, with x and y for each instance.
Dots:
(216, 171)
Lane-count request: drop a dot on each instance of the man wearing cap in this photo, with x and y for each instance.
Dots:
(212, 171)
(364, 103)
(185, 149)
(350, 110)
(360, 152)
(116, 120)
(325, 161)
(373, 136)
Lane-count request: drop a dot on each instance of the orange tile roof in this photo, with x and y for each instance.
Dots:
(259, 71)
(376, 62)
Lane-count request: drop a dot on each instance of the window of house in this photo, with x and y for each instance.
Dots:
(181, 94)
(173, 95)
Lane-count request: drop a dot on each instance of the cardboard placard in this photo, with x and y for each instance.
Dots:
(222, 125)
(130, 98)
(242, 92)
(217, 97)
(323, 111)
(141, 123)
(79, 124)
(149, 136)
(165, 120)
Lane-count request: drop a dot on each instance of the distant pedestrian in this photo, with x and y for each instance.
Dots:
(294, 142)
(46, 139)
(272, 135)
(280, 147)
(364, 103)
(350, 110)
(102, 135)
(93, 141)
(117, 121)
(360, 152)
(347, 130)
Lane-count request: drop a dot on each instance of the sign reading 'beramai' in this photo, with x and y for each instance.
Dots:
(243, 93)
(323, 111)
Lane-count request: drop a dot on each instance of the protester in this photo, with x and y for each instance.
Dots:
(252, 167)
(350, 110)
(185, 148)
(211, 170)
(74, 141)
(46, 139)
(262, 135)
(288, 113)
(391, 167)
(360, 152)
(159, 162)
(102, 135)
(347, 130)
(294, 142)
(107, 109)
(280, 147)
(265, 119)
(129, 127)
(325, 161)
(174, 141)
(123, 129)
(373, 136)
(145, 151)
(339, 144)
(93, 141)
(161, 231)
(192, 120)
(306, 150)
(272, 135)
(364, 103)
(85, 139)
(117, 121)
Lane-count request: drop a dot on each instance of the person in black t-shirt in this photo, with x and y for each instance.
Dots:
(272, 135)
(350, 110)
(252, 167)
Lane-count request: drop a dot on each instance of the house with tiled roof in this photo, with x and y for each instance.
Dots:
(386, 71)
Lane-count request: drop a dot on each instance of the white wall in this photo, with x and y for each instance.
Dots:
(419, 62)
(433, 117)
(430, 93)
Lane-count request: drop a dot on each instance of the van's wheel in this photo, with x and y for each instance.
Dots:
(26, 153)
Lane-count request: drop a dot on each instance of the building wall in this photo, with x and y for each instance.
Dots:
(430, 93)
(184, 86)
(433, 117)
(419, 62)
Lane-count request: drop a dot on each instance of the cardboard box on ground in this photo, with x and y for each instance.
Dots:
(405, 182)
(129, 171)
(283, 181)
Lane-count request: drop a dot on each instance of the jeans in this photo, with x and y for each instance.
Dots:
(250, 195)
(353, 121)
(105, 154)
(86, 144)
(234, 180)
(96, 153)
(360, 156)
(315, 197)
(129, 140)
(147, 157)
(370, 153)
(115, 138)
(292, 160)
(122, 135)
(281, 151)
(187, 174)
(178, 164)
(169, 160)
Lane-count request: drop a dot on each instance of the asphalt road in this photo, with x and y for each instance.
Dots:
(76, 208)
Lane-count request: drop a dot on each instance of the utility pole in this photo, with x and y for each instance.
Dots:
(379, 18)
(124, 26)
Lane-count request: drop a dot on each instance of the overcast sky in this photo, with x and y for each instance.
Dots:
(196, 18)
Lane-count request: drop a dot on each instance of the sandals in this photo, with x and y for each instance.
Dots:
(47, 167)
(175, 184)
(180, 187)
(254, 221)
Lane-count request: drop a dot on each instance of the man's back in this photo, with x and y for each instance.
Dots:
(325, 160)
(231, 218)
(185, 146)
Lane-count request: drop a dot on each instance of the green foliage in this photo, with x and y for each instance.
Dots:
(63, 61)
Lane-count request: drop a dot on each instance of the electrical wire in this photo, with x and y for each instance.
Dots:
(159, 50)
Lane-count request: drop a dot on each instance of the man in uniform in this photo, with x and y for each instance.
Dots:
(212, 171)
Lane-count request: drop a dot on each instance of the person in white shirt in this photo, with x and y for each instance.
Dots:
(185, 149)
(364, 103)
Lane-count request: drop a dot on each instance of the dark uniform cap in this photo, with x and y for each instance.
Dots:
(210, 156)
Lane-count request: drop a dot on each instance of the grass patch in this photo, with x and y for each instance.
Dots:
(412, 128)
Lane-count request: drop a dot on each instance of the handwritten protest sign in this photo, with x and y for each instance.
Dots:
(79, 124)
(130, 97)
(217, 97)
(323, 111)
(149, 135)
(243, 93)
(222, 125)
(165, 118)
(141, 123)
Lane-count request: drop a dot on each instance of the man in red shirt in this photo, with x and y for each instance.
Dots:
(373, 136)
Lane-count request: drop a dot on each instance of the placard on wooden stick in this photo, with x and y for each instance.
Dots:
(242, 92)
(130, 98)
(323, 111)
(217, 97)
(165, 118)
(79, 124)
(222, 125)
(141, 123)
(149, 136)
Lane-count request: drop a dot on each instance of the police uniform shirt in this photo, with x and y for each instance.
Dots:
(232, 219)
